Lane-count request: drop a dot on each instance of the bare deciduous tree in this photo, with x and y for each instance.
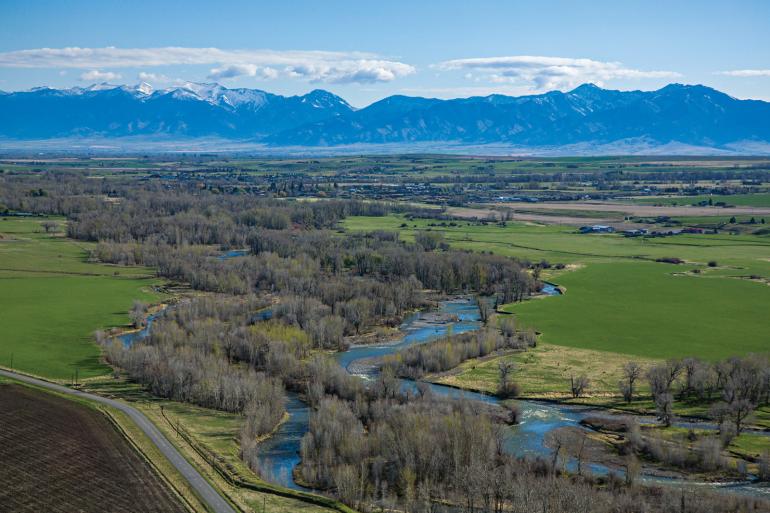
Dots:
(507, 388)
(50, 226)
(137, 314)
(631, 373)
(664, 404)
(485, 311)
(578, 385)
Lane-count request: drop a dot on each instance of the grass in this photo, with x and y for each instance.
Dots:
(544, 371)
(562, 244)
(53, 299)
(639, 308)
(743, 200)
(618, 299)
(749, 445)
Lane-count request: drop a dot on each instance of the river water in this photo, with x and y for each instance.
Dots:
(281, 452)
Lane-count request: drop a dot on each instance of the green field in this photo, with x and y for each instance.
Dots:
(618, 298)
(641, 309)
(743, 200)
(52, 299)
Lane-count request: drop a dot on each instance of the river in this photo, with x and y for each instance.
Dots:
(280, 453)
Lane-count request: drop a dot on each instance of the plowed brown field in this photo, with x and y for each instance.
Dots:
(59, 456)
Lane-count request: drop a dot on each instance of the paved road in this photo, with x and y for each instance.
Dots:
(207, 492)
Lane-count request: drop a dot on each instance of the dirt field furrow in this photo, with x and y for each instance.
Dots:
(58, 455)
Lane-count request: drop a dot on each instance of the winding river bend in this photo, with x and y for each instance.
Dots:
(280, 453)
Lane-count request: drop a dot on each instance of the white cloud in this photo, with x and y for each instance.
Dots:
(316, 66)
(155, 78)
(99, 76)
(243, 70)
(746, 73)
(545, 73)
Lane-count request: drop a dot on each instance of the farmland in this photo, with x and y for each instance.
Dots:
(59, 455)
(644, 310)
(743, 200)
(53, 299)
(618, 298)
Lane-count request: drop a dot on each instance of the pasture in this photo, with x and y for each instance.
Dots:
(642, 309)
(618, 298)
(52, 299)
(743, 200)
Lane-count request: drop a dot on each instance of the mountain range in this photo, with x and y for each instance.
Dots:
(692, 115)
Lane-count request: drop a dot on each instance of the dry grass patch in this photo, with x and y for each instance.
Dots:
(544, 371)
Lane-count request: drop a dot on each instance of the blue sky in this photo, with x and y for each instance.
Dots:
(364, 50)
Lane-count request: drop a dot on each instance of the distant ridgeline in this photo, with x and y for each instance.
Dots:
(675, 116)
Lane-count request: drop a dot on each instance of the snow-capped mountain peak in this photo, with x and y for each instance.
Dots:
(144, 88)
(686, 114)
(104, 86)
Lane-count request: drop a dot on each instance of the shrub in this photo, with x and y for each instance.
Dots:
(670, 260)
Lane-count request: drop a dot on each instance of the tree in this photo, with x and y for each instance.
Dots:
(507, 387)
(558, 442)
(632, 468)
(662, 377)
(576, 447)
(428, 240)
(508, 326)
(739, 411)
(664, 406)
(631, 373)
(578, 385)
(137, 314)
(719, 412)
(50, 226)
(484, 309)
(692, 368)
(764, 466)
